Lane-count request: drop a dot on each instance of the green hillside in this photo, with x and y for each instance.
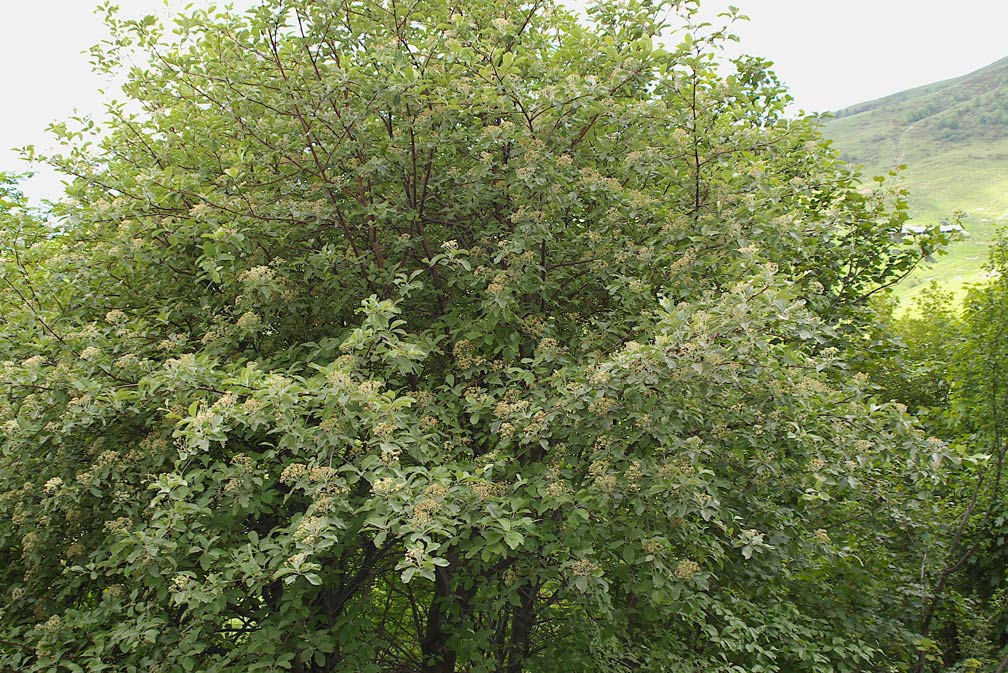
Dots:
(953, 138)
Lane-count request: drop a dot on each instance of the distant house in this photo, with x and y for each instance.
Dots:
(945, 228)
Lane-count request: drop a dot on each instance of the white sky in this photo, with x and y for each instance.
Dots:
(834, 53)
(831, 54)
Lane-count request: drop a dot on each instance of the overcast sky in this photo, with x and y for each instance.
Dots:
(831, 54)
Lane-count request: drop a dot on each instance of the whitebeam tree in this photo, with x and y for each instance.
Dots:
(450, 336)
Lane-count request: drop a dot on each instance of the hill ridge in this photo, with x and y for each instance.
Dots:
(952, 135)
(868, 105)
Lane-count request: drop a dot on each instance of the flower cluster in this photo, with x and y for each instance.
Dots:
(172, 343)
(370, 388)
(309, 529)
(32, 362)
(118, 526)
(384, 429)
(536, 425)
(686, 569)
(386, 486)
(390, 454)
(293, 473)
(600, 406)
(257, 276)
(415, 554)
(127, 361)
(498, 285)
(436, 491)
(533, 325)
(548, 346)
(424, 511)
(584, 567)
(555, 489)
(338, 378)
(485, 490)
(505, 409)
(249, 322)
(653, 546)
(633, 475)
(115, 317)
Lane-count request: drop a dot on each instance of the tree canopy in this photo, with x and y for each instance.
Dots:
(452, 336)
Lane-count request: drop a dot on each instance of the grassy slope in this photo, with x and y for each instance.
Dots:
(953, 138)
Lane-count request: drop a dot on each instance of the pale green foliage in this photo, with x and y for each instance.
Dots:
(451, 337)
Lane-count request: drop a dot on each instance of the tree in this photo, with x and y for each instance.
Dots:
(972, 575)
(947, 364)
(450, 337)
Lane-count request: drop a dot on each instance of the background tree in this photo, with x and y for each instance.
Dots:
(442, 337)
(970, 588)
(945, 361)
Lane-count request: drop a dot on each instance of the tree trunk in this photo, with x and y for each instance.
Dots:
(522, 622)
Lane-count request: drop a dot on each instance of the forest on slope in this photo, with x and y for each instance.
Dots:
(448, 337)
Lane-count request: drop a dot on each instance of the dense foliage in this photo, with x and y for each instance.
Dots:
(952, 372)
(448, 337)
